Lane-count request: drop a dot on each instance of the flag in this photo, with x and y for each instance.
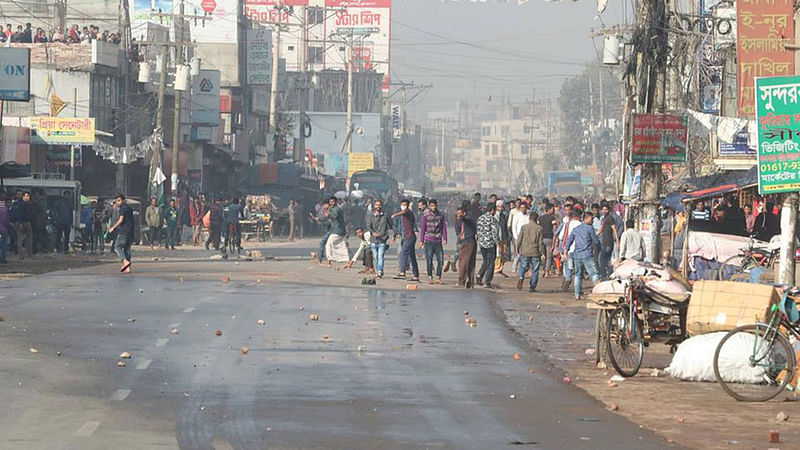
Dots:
(56, 105)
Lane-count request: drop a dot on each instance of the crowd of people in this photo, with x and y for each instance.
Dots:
(29, 226)
(569, 239)
(73, 35)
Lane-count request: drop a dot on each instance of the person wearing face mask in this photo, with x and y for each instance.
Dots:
(379, 225)
(408, 253)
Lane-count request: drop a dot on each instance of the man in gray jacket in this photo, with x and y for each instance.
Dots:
(378, 225)
(531, 249)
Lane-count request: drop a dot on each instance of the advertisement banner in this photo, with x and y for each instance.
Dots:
(205, 98)
(144, 11)
(369, 24)
(763, 27)
(259, 56)
(397, 121)
(221, 24)
(15, 74)
(741, 145)
(359, 161)
(16, 145)
(62, 131)
(265, 11)
(778, 141)
(659, 138)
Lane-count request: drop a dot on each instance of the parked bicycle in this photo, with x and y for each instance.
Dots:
(643, 315)
(756, 254)
(756, 362)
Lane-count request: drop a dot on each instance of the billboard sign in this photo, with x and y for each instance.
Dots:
(15, 74)
(266, 11)
(205, 98)
(762, 29)
(62, 131)
(221, 24)
(357, 162)
(397, 121)
(369, 24)
(659, 138)
(259, 56)
(778, 140)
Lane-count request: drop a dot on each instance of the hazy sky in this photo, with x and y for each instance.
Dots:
(474, 50)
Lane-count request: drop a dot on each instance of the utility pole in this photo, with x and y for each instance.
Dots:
(176, 127)
(647, 17)
(299, 146)
(273, 91)
(591, 119)
(349, 56)
(158, 154)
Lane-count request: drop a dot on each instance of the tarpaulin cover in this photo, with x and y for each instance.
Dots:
(711, 186)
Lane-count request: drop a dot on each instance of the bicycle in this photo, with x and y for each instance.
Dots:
(759, 358)
(751, 257)
(233, 238)
(642, 315)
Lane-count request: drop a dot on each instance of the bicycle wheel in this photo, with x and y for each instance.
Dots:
(754, 363)
(599, 334)
(624, 342)
(746, 264)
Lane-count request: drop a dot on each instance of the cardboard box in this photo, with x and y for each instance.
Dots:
(724, 305)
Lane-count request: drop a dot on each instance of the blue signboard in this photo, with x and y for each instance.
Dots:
(15, 74)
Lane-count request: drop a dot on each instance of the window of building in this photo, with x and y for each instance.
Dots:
(506, 130)
(291, 48)
(486, 131)
(505, 148)
(315, 55)
(486, 150)
(316, 15)
(524, 149)
(494, 149)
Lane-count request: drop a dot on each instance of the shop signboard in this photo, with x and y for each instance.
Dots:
(763, 27)
(15, 74)
(777, 118)
(62, 130)
(206, 98)
(259, 56)
(359, 161)
(221, 25)
(659, 138)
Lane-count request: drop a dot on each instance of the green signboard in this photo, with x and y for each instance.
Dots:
(778, 122)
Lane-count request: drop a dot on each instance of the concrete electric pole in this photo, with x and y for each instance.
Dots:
(176, 127)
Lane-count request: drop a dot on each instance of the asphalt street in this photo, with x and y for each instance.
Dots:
(378, 369)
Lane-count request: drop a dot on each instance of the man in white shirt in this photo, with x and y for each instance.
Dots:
(520, 219)
(571, 221)
(631, 244)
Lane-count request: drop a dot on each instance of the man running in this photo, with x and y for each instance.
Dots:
(124, 228)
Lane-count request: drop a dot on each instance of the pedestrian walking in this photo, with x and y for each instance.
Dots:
(609, 238)
(584, 238)
(154, 219)
(291, 209)
(325, 229)
(63, 222)
(408, 254)
(336, 247)
(87, 220)
(379, 226)
(196, 219)
(20, 217)
(100, 227)
(488, 230)
(124, 233)
(5, 227)
(531, 248)
(171, 217)
(466, 230)
(214, 225)
(631, 244)
(548, 223)
(433, 237)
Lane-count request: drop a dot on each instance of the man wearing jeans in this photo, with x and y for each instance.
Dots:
(379, 225)
(584, 238)
(433, 236)
(548, 223)
(124, 228)
(488, 238)
(531, 248)
(408, 253)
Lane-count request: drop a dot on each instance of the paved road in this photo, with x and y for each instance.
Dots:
(422, 379)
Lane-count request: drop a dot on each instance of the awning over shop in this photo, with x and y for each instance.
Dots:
(711, 186)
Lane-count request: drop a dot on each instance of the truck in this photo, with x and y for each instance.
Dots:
(565, 183)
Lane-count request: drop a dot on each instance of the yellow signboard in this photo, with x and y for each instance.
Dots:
(360, 161)
(437, 171)
(62, 130)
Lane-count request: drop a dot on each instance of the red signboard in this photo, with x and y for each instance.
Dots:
(208, 5)
(763, 26)
(658, 138)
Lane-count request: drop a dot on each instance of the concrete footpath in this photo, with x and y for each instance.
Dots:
(690, 414)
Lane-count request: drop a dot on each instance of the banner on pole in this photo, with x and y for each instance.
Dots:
(659, 138)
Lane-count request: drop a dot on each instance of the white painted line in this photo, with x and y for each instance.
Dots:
(161, 342)
(188, 310)
(120, 394)
(174, 325)
(143, 364)
(87, 429)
